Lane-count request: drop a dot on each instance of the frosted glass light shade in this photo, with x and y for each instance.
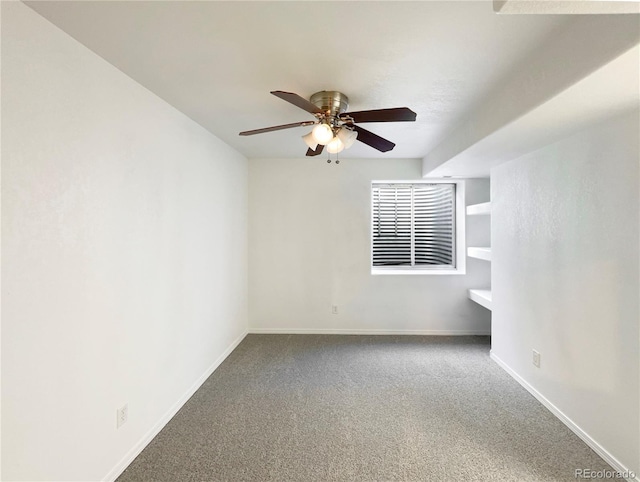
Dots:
(347, 137)
(310, 141)
(322, 133)
(335, 146)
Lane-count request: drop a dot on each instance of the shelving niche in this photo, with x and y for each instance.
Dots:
(480, 296)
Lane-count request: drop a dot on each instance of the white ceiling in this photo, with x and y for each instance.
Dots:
(611, 90)
(217, 61)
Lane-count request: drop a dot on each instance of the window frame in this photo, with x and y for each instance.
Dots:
(459, 266)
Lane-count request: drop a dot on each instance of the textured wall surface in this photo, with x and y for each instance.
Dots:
(310, 249)
(565, 278)
(124, 275)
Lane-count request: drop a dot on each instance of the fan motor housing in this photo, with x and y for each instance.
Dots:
(331, 101)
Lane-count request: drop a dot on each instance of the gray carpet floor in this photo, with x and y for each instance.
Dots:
(362, 408)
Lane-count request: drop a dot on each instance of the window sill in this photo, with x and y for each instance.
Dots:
(412, 272)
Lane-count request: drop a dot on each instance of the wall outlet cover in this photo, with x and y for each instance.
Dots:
(122, 415)
(536, 358)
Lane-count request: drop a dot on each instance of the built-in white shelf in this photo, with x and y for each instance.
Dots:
(480, 253)
(482, 297)
(476, 209)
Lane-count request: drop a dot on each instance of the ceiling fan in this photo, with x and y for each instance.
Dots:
(334, 127)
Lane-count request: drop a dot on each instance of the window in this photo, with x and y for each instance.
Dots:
(413, 227)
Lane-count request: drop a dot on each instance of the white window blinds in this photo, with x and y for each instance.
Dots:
(413, 225)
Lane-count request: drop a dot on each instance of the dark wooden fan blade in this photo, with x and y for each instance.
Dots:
(298, 101)
(374, 140)
(277, 128)
(317, 152)
(397, 114)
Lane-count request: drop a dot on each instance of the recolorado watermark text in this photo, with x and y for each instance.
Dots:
(603, 474)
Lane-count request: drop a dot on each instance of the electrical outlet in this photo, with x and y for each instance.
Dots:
(536, 358)
(334, 309)
(122, 415)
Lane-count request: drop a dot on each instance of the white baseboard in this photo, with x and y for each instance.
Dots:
(347, 331)
(586, 438)
(144, 441)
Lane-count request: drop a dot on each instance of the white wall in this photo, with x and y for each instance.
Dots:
(124, 255)
(565, 279)
(309, 249)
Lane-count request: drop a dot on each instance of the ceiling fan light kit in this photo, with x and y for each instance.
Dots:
(334, 127)
(322, 134)
(310, 140)
(348, 137)
(335, 146)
